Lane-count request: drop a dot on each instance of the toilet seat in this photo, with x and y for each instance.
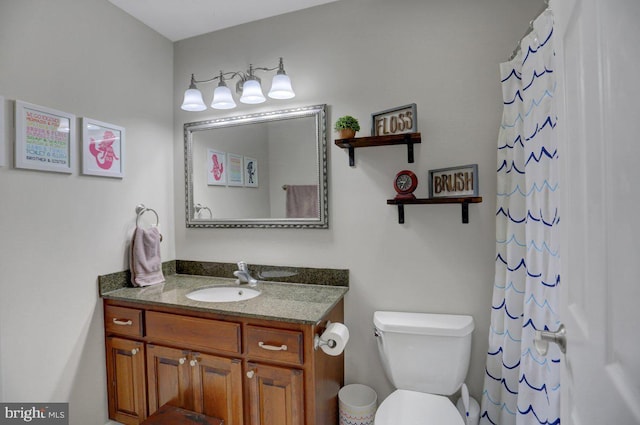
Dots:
(405, 407)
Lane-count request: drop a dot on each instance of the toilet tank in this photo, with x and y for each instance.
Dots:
(424, 352)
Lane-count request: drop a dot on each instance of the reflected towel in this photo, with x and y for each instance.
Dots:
(146, 266)
(302, 201)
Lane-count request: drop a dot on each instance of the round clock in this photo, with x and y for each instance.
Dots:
(405, 183)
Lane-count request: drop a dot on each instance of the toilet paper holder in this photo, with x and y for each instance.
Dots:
(319, 342)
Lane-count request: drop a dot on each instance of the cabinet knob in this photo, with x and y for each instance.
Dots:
(251, 374)
(135, 351)
(182, 360)
(193, 362)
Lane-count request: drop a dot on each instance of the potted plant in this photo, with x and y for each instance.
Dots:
(347, 127)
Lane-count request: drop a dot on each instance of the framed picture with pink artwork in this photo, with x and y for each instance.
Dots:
(216, 168)
(102, 149)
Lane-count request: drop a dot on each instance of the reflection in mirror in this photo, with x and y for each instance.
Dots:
(261, 170)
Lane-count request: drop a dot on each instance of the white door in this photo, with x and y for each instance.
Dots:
(598, 46)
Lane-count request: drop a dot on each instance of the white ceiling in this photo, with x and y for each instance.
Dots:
(180, 19)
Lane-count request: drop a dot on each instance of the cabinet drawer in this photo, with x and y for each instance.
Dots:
(123, 321)
(274, 344)
(193, 332)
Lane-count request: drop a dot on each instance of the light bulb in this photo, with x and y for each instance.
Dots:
(281, 87)
(252, 92)
(222, 98)
(193, 101)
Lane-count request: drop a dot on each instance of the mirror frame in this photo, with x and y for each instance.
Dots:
(320, 115)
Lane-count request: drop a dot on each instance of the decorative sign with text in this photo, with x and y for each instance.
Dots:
(45, 138)
(454, 182)
(403, 119)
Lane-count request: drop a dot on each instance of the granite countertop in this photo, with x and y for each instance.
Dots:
(290, 302)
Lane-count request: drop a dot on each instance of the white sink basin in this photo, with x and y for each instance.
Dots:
(223, 294)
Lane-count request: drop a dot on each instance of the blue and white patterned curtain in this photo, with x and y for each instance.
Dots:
(521, 386)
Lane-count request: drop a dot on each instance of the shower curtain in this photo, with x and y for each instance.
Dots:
(522, 386)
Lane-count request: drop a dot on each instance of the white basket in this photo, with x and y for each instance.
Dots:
(357, 404)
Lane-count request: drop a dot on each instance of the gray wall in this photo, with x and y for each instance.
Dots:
(88, 58)
(360, 57)
(59, 232)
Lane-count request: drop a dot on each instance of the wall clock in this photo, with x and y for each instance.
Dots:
(405, 184)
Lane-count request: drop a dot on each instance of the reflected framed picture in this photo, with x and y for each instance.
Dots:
(45, 139)
(235, 176)
(250, 172)
(216, 168)
(102, 149)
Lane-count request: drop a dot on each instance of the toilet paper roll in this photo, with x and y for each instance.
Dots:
(336, 337)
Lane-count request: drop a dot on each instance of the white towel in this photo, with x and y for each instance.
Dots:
(146, 265)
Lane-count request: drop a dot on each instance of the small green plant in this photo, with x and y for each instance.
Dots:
(347, 122)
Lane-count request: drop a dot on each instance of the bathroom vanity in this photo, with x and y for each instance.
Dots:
(251, 362)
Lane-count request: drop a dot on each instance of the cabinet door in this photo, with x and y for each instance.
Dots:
(276, 395)
(125, 380)
(168, 377)
(217, 387)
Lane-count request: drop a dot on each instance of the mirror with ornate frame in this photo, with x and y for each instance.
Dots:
(265, 170)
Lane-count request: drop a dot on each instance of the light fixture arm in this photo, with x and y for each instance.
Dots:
(221, 77)
(243, 77)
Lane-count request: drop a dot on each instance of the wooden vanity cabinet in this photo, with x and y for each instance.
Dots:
(126, 380)
(276, 395)
(244, 371)
(193, 381)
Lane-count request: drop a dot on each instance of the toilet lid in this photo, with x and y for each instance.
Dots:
(405, 407)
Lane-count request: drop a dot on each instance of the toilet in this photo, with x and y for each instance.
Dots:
(426, 358)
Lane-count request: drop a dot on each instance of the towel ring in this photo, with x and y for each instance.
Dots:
(141, 209)
(200, 207)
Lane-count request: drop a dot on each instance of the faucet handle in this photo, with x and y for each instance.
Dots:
(242, 266)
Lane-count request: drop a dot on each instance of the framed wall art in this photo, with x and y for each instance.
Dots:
(45, 139)
(250, 172)
(400, 120)
(216, 168)
(102, 149)
(454, 182)
(235, 176)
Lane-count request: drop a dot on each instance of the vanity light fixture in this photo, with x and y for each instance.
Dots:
(248, 84)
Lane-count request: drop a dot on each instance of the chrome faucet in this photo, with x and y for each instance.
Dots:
(243, 275)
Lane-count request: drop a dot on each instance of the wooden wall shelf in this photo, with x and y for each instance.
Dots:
(408, 139)
(463, 201)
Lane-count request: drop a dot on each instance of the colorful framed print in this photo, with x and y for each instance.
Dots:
(45, 139)
(102, 149)
(250, 172)
(216, 168)
(234, 168)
